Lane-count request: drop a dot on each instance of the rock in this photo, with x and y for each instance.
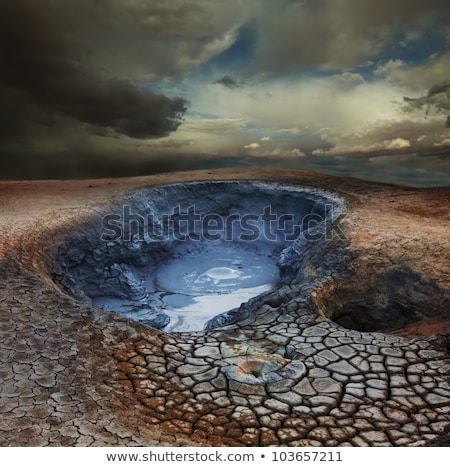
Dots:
(190, 370)
(326, 385)
(158, 320)
(345, 351)
(343, 368)
(304, 388)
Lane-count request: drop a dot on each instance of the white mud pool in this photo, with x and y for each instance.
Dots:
(176, 256)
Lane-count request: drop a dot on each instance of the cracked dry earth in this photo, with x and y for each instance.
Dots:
(297, 370)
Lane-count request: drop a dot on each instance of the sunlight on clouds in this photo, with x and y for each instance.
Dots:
(304, 107)
(152, 85)
(444, 142)
(402, 132)
(292, 131)
(216, 125)
(293, 106)
(397, 143)
(416, 78)
(297, 152)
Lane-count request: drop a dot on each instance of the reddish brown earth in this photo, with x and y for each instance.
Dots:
(73, 375)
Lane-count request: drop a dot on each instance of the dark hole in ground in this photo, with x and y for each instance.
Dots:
(389, 301)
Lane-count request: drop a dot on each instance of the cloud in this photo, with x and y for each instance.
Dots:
(92, 84)
(252, 146)
(397, 143)
(150, 41)
(341, 34)
(301, 107)
(437, 98)
(47, 75)
(228, 82)
(404, 132)
(214, 125)
(292, 131)
(297, 152)
(390, 68)
(418, 77)
(66, 150)
(348, 79)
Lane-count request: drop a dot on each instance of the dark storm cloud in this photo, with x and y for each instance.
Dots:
(442, 88)
(47, 74)
(78, 81)
(228, 82)
(437, 98)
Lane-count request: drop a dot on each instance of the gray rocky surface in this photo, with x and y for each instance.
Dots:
(286, 374)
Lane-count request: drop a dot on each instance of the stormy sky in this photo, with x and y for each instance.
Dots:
(99, 88)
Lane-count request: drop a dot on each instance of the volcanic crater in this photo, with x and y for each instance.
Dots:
(175, 256)
(237, 308)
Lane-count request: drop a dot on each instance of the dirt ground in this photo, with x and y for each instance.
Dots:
(72, 375)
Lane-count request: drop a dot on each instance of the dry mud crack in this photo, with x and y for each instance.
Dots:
(351, 348)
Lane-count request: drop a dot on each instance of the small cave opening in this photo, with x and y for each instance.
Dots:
(177, 256)
(398, 301)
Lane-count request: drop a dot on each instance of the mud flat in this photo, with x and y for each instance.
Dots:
(328, 328)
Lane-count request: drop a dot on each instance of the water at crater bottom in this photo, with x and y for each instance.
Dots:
(195, 285)
(196, 288)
